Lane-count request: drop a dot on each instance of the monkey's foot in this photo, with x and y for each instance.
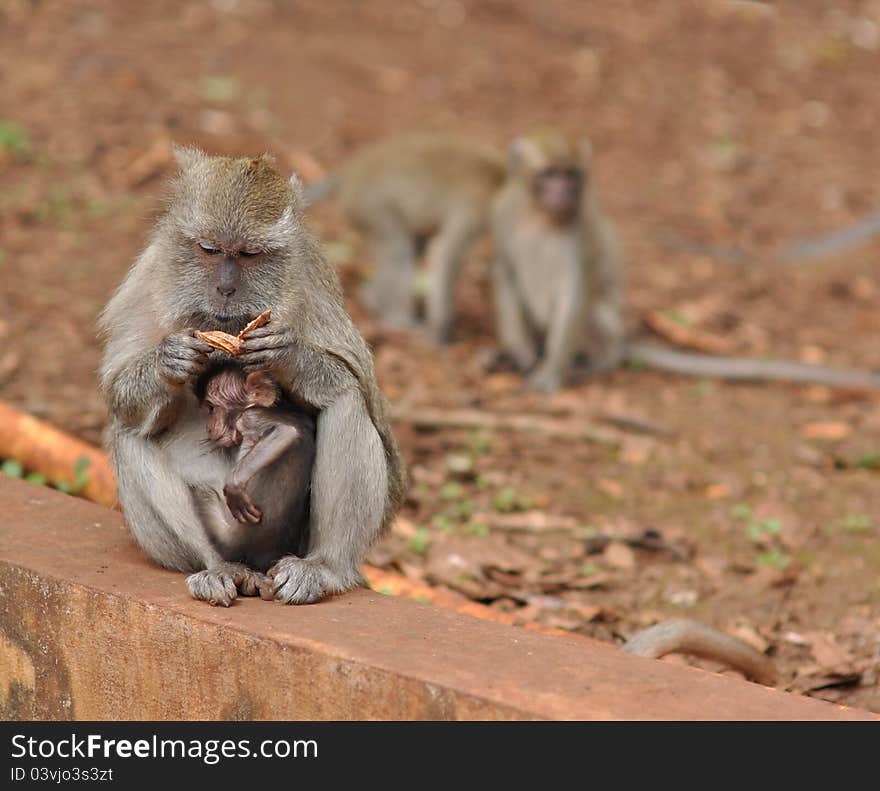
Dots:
(494, 361)
(545, 380)
(303, 581)
(222, 584)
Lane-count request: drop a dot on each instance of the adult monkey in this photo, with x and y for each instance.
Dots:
(413, 191)
(231, 245)
(557, 273)
(558, 281)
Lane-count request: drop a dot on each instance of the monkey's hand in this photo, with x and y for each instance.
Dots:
(241, 505)
(545, 379)
(182, 358)
(268, 348)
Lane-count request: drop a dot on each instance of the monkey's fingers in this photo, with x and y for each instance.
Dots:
(254, 362)
(246, 512)
(186, 341)
(260, 340)
(185, 357)
(200, 347)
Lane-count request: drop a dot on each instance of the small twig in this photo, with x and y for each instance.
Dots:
(636, 425)
(530, 522)
(430, 418)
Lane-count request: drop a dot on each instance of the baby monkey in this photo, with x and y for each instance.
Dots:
(275, 441)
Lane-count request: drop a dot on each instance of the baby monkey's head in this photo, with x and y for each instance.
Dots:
(226, 393)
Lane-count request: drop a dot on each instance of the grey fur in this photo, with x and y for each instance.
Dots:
(156, 433)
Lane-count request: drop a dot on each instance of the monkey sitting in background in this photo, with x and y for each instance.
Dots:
(557, 272)
(409, 192)
(558, 281)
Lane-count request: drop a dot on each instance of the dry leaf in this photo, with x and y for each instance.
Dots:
(589, 612)
(712, 567)
(611, 488)
(689, 337)
(403, 527)
(9, 364)
(635, 450)
(827, 652)
(472, 565)
(749, 635)
(619, 556)
(826, 430)
(716, 491)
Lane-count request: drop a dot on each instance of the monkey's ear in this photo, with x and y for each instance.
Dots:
(261, 390)
(186, 156)
(297, 189)
(264, 160)
(524, 155)
(585, 148)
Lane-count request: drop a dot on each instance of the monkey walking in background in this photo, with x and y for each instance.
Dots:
(410, 192)
(231, 245)
(558, 281)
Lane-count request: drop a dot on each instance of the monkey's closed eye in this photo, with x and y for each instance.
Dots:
(208, 249)
(248, 253)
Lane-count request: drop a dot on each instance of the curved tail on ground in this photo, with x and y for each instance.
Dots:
(684, 636)
(745, 369)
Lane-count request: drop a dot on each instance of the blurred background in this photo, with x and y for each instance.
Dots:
(717, 125)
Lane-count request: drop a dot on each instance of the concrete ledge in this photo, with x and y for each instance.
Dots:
(90, 630)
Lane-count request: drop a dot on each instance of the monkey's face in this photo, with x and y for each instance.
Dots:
(225, 397)
(228, 273)
(234, 221)
(221, 424)
(557, 191)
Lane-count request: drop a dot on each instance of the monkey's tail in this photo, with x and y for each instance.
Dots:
(792, 252)
(692, 637)
(745, 369)
(320, 190)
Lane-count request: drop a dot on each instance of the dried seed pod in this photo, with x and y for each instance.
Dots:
(220, 340)
(260, 321)
(231, 344)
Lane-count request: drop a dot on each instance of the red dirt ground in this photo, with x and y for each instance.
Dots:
(734, 123)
